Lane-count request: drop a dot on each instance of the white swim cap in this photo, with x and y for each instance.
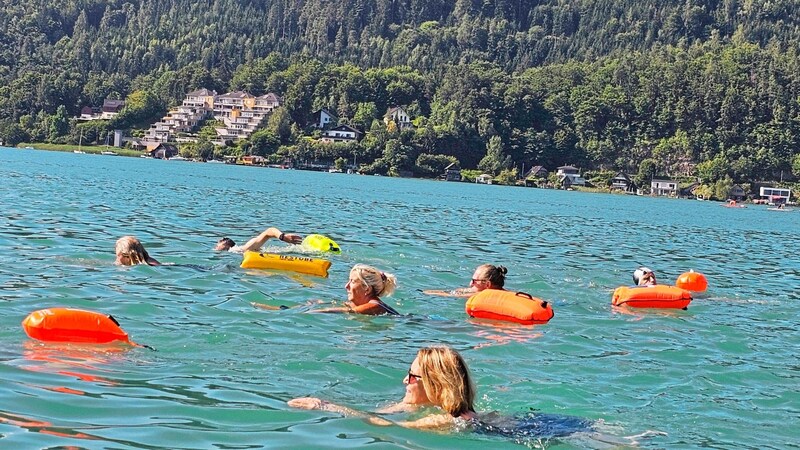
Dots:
(639, 273)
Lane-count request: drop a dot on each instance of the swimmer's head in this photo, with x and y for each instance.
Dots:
(643, 276)
(224, 244)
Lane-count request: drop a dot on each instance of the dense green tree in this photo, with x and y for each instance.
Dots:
(264, 142)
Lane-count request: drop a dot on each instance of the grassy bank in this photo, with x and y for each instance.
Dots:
(93, 149)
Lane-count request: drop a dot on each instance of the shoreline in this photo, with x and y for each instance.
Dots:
(97, 150)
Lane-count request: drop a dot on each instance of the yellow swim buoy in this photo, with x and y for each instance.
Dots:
(320, 243)
(299, 264)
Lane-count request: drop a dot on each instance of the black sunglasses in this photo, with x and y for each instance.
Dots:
(411, 375)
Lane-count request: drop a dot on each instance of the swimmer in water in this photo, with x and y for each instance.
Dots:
(255, 244)
(364, 288)
(486, 276)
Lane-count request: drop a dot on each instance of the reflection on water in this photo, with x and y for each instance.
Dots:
(225, 368)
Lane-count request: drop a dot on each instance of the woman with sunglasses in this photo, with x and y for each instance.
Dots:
(438, 377)
(486, 276)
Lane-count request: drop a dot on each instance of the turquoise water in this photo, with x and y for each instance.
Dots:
(723, 374)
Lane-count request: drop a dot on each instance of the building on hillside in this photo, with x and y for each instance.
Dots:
(664, 188)
(452, 172)
(324, 119)
(484, 178)
(736, 193)
(399, 116)
(111, 108)
(536, 172)
(90, 113)
(775, 196)
(622, 182)
(342, 133)
(690, 191)
(162, 150)
(200, 99)
(240, 113)
(572, 173)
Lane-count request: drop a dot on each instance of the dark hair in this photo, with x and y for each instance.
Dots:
(227, 241)
(495, 274)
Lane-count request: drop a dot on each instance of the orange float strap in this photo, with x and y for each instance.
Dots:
(658, 296)
(73, 325)
(692, 281)
(509, 306)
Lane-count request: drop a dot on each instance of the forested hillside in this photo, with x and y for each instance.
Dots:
(500, 83)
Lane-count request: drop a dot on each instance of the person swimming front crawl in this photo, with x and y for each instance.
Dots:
(255, 244)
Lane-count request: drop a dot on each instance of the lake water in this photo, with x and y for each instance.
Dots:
(723, 374)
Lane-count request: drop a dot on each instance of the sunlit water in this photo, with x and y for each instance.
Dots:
(723, 374)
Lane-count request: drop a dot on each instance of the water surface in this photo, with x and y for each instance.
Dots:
(723, 374)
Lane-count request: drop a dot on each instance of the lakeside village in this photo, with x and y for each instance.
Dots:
(237, 115)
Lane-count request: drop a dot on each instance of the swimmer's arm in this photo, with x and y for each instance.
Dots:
(397, 408)
(322, 405)
(366, 308)
(460, 292)
(436, 421)
(257, 242)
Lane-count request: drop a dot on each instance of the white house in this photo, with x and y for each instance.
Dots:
(484, 178)
(324, 119)
(775, 196)
(342, 133)
(571, 173)
(399, 116)
(668, 188)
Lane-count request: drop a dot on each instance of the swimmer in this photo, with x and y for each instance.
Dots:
(255, 244)
(439, 378)
(131, 252)
(486, 276)
(644, 277)
(364, 288)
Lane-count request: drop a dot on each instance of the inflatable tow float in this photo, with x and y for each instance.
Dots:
(509, 306)
(320, 243)
(692, 281)
(73, 325)
(299, 264)
(658, 296)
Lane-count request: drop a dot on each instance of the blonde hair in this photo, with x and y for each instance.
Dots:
(381, 283)
(131, 247)
(446, 379)
(496, 275)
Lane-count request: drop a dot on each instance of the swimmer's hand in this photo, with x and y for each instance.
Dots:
(292, 238)
(306, 403)
(269, 307)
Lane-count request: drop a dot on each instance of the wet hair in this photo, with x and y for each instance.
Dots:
(495, 274)
(228, 242)
(381, 283)
(131, 247)
(446, 379)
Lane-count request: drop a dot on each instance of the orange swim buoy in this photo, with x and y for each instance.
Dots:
(658, 296)
(517, 307)
(73, 325)
(692, 281)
